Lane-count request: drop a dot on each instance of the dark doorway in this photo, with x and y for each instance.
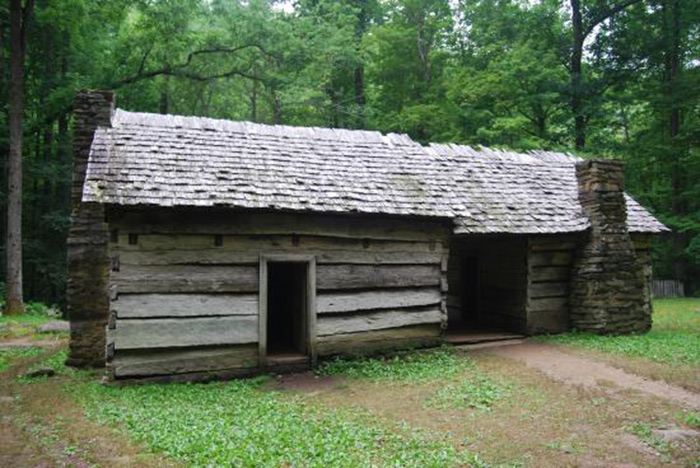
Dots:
(467, 316)
(470, 291)
(286, 308)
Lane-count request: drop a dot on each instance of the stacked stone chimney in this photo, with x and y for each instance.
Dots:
(88, 255)
(608, 283)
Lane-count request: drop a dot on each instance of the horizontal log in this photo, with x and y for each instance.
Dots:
(551, 258)
(556, 321)
(371, 276)
(391, 338)
(178, 361)
(338, 324)
(202, 221)
(538, 290)
(184, 305)
(264, 243)
(379, 299)
(550, 274)
(167, 333)
(548, 304)
(554, 246)
(185, 279)
(211, 256)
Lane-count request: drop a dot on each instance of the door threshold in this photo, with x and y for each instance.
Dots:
(288, 358)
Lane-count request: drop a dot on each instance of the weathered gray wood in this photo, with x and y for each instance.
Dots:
(262, 312)
(185, 279)
(548, 321)
(548, 304)
(550, 274)
(538, 290)
(379, 299)
(280, 223)
(551, 258)
(212, 256)
(370, 341)
(288, 243)
(338, 324)
(312, 313)
(184, 305)
(178, 361)
(166, 333)
(376, 276)
(554, 246)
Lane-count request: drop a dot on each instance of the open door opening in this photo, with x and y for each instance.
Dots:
(467, 316)
(470, 292)
(286, 310)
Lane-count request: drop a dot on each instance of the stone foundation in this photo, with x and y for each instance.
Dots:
(88, 254)
(608, 286)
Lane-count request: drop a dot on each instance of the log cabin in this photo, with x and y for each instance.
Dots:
(204, 248)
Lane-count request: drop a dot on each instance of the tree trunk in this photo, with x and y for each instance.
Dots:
(14, 303)
(360, 100)
(165, 95)
(576, 90)
(276, 109)
(424, 49)
(673, 69)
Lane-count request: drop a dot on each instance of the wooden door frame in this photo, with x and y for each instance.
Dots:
(310, 261)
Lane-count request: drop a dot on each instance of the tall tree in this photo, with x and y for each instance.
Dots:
(583, 23)
(19, 19)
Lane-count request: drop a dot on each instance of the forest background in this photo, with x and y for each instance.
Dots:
(598, 78)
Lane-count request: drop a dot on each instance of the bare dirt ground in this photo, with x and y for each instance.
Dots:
(42, 427)
(559, 413)
(578, 370)
(563, 409)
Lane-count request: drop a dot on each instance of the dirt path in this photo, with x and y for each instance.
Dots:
(577, 370)
(15, 449)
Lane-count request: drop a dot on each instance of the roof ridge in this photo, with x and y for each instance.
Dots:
(122, 117)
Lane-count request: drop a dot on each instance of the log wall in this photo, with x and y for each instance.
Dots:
(550, 259)
(185, 286)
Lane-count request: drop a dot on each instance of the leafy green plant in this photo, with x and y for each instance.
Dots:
(9, 356)
(691, 419)
(674, 338)
(239, 424)
(56, 361)
(474, 391)
(413, 366)
(644, 432)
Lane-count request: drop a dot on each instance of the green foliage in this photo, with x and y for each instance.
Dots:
(239, 424)
(644, 432)
(57, 362)
(691, 419)
(475, 390)
(9, 356)
(417, 366)
(674, 338)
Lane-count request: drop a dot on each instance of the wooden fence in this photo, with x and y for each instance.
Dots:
(667, 288)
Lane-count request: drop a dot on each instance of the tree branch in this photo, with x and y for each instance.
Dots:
(181, 69)
(607, 13)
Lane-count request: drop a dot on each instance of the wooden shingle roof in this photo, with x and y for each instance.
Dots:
(157, 160)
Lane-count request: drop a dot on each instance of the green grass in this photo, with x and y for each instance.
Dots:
(8, 357)
(474, 391)
(239, 424)
(674, 338)
(462, 384)
(56, 361)
(416, 366)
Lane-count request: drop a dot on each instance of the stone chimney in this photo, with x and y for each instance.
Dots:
(608, 284)
(88, 255)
